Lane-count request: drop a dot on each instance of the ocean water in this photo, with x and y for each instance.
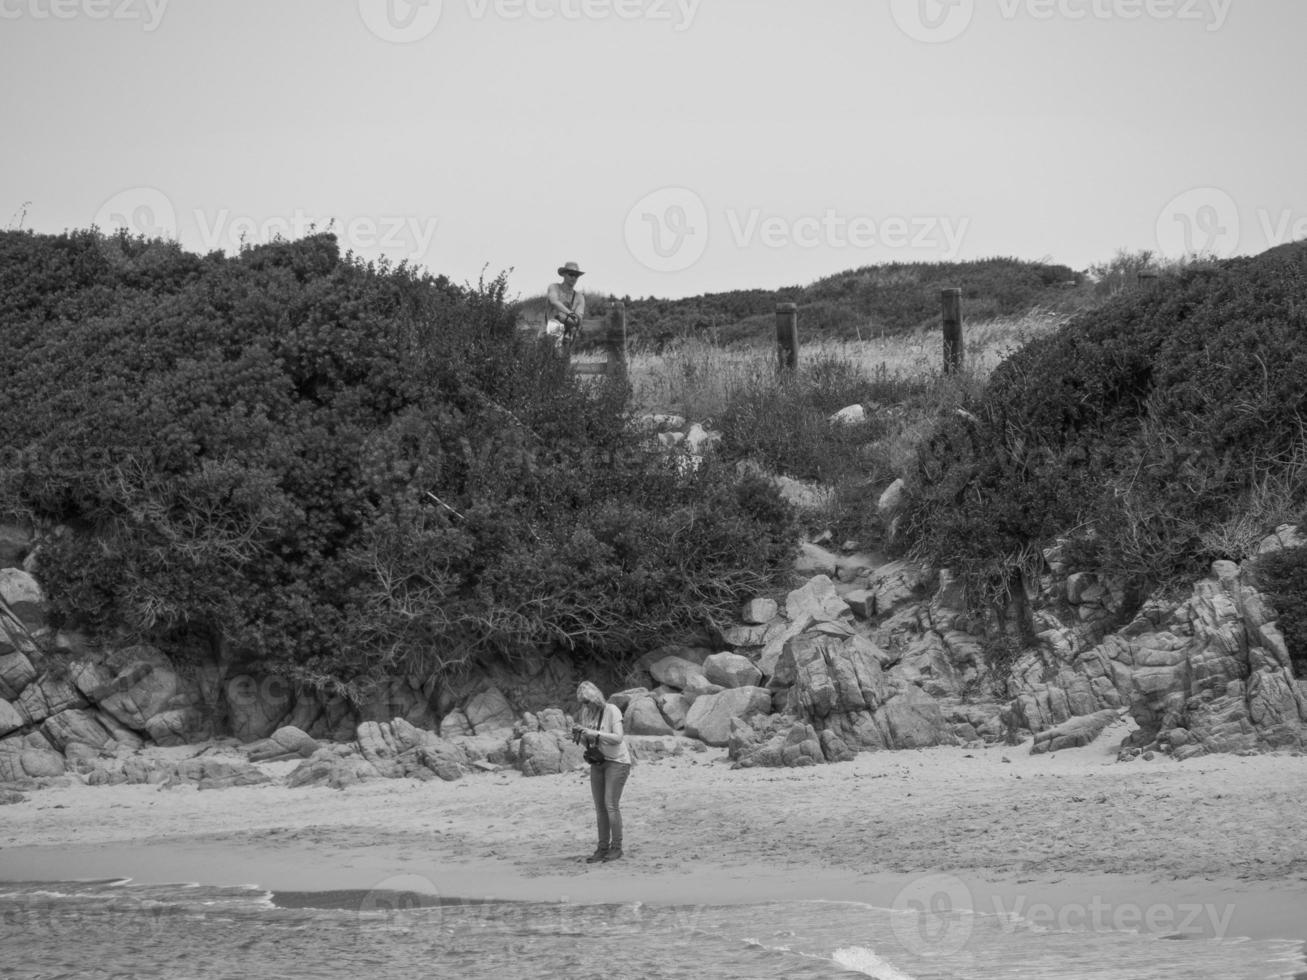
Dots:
(104, 929)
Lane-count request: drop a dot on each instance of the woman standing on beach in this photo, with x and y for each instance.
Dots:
(601, 725)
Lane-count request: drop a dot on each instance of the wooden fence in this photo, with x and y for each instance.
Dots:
(787, 332)
(614, 363)
(787, 338)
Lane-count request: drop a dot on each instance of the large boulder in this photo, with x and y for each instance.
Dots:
(623, 699)
(914, 720)
(24, 597)
(76, 726)
(287, 742)
(709, 718)
(674, 707)
(215, 773)
(145, 684)
(928, 661)
(818, 600)
(786, 744)
(839, 686)
(548, 753)
(489, 710)
(27, 757)
(833, 675)
(399, 749)
(1210, 673)
(178, 726)
(335, 766)
(10, 719)
(455, 724)
(493, 748)
(676, 672)
(124, 739)
(697, 686)
(643, 717)
(48, 696)
(892, 501)
(731, 670)
(307, 711)
(813, 559)
(758, 611)
(650, 748)
(1075, 732)
(694, 654)
(751, 635)
(896, 584)
(16, 672)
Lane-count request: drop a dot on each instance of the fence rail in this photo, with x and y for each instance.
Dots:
(787, 338)
(614, 363)
(787, 332)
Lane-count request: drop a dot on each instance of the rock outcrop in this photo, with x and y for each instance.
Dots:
(863, 654)
(1210, 673)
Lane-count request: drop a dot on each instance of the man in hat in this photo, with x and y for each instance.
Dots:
(566, 305)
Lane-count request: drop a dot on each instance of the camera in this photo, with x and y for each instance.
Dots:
(576, 734)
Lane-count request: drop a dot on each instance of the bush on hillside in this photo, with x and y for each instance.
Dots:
(1136, 430)
(341, 469)
(1283, 577)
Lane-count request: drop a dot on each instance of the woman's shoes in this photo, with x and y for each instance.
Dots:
(600, 854)
(612, 854)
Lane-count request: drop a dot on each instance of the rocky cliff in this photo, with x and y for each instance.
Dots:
(863, 655)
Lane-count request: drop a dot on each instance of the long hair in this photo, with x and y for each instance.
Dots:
(592, 704)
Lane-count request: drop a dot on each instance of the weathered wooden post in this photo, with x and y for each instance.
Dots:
(951, 307)
(615, 341)
(787, 335)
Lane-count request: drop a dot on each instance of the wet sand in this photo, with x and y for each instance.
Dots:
(1212, 846)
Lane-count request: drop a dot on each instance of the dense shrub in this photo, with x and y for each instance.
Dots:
(1283, 576)
(1137, 429)
(339, 468)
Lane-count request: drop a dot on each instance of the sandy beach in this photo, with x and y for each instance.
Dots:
(1212, 846)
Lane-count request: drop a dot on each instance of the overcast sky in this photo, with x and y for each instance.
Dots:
(671, 147)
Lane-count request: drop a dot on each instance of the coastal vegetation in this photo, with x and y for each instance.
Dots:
(1159, 427)
(342, 470)
(339, 470)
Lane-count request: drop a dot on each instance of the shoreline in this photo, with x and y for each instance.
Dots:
(1075, 840)
(377, 878)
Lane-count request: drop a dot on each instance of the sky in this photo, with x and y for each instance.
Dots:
(670, 147)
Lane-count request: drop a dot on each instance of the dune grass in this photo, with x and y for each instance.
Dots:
(698, 379)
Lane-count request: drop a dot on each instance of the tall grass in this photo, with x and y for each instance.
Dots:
(699, 379)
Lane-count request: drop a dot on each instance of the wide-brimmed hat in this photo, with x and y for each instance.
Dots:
(570, 267)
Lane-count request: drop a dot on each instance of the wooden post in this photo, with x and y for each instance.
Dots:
(787, 335)
(951, 308)
(615, 340)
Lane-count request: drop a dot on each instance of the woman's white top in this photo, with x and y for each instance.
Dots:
(611, 723)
